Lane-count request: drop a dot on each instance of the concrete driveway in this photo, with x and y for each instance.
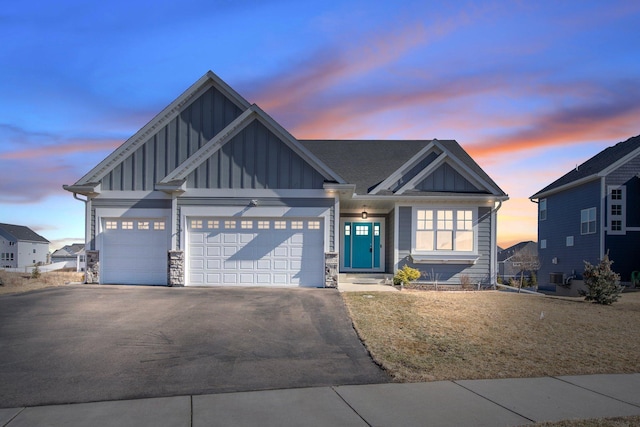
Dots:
(91, 343)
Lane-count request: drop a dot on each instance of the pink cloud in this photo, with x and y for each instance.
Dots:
(62, 149)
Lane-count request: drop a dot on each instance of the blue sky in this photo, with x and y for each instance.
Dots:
(529, 89)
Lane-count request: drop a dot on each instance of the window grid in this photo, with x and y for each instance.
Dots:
(246, 224)
(213, 224)
(127, 225)
(111, 225)
(616, 225)
(229, 224)
(196, 223)
(362, 230)
(280, 225)
(263, 225)
(347, 230)
(158, 225)
(143, 225)
(297, 225)
(313, 225)
(450, 230)
(616, 210)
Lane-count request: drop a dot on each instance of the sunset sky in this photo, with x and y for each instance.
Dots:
(529, 88)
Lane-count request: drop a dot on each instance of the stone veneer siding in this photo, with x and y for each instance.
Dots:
(92, 273)
(175, 268)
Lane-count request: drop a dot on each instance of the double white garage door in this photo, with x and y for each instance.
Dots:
(255, 251)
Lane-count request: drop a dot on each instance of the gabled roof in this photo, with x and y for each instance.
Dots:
(505, 254)
(172, 110)
(69, 250)
(369, 164)
(21, 233)
(364, 163)
(252, 113)
(597, 166)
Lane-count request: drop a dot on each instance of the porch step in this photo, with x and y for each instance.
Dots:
(366, 278)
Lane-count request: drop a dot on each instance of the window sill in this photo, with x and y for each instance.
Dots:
(470, 259)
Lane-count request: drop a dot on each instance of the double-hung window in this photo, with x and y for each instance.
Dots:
(444, 230)
(588, 221)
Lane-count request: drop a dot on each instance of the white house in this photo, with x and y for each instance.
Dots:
(21, 247)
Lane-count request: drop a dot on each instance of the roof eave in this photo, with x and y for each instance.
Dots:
(568, 186)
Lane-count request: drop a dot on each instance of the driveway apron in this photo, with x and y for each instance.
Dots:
(92, 343)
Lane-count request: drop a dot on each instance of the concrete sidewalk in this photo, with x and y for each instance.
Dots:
(504, 402)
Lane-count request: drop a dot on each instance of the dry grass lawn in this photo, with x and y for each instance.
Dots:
(21, 282)
(428, 336)
(600, 422)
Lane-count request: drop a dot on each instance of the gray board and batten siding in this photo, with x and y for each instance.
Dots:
(448, 274)
(173, 143)
(256, 159)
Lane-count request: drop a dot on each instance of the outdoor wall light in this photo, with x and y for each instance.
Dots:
(253, 202)
(364, 212)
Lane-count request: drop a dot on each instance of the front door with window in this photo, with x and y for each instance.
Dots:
(362, 245)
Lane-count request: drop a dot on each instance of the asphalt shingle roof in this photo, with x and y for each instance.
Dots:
(366, 163)
(20, 232)
(595, 164)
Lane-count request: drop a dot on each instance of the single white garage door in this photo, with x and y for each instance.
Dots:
(134, 251)
(255, 251)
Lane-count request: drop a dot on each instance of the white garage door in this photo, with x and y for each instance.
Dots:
(134, 251)
(255, 251)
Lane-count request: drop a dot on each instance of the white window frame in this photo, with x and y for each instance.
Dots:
(542, 213)
(440, 221)
(588, 221)
(622, 202)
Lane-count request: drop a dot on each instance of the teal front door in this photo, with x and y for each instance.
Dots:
(362, 245)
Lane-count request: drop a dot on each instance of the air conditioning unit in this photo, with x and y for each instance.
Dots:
(557, 278)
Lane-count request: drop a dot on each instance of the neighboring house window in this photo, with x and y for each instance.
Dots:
(569, 240)
(617, 209)
(12, 243)
(543, 209)
(444, 230)
(543, 244)
(588, 221)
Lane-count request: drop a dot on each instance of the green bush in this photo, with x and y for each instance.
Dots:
(533, 280)
(406, 275)
(602, 283)
(35, 273)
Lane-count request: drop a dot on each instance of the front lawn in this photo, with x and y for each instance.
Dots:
(428, 336)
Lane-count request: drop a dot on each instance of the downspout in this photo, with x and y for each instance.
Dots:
(494, 243)
(86, 233)
(86, 228)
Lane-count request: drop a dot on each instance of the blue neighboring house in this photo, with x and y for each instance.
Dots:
(589, 212)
